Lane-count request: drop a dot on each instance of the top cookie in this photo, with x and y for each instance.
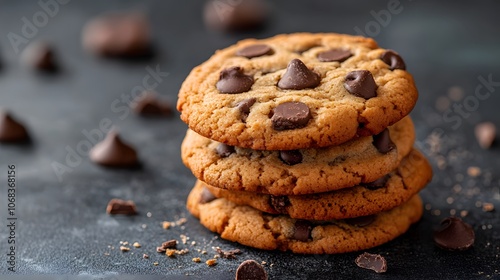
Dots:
(297, 91)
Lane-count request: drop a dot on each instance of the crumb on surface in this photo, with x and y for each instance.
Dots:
(488, 207)
(124, 249)
(136, 245)
(211, 262)
(196, 260)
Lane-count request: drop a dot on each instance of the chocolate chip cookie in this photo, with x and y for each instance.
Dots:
(297, 91)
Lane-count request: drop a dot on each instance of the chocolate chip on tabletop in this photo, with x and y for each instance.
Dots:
(150, 105)
(454, 234)
(233, 16)
(113, 152)
(39, 56)
(11, 130)
(374, 262)
(251, 270)
(121, 207)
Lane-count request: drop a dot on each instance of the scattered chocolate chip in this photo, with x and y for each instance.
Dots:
(39, 56)
(393, 59)
(298, 76)
(113, 152)
(232, 16)
(454, 234)
(251, 270)
(149, 105)
(383, 142)
(171, 244)
(121, 207)
(290, 115)
(255, 51)
(339, 55)
(118, 35)
(206, 196)
(244, 107)
(224, 150)
(374, 262)
(291, 157)
(377, 184)
(233, 80)
(279, 203)
(361, 83)
(485, 134)
(10, 129)
(302, 231)
(230, 254)
(361, 221)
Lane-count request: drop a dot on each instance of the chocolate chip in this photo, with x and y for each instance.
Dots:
(374, 262)
(224, 150)
(244, 107)
(383, 142)
(290, 115)
(361, 83)
(361, 221)
(454, 234)
(291, 157)
(206, 196)
(229, 254)
(279, 203)
(302, 231)
(255, 51)
(121, 207)
(10, 129)
(113, 152)
(339, 55)
(251, 270)
(170, 244)
(241, 15)
(485, 134)
(233, 80)
(377, 184)
(39, 56)
(149, 105)
(298, 76)
(393, 59)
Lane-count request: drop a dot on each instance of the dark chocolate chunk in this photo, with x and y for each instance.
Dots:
(377, 184)
(298, 76)
(121, 207)
(339, 55)
(454, 235)
(149, 105)
(251, 270)
(485, 134)
(393, 59)
(290, 115)
(279, 203)
(233, 80)
(383, 142)
(206, 196)
(232, 16)
(302, 230)
(170, 244)
(255, 51)
(374, 262)
(39, 56)
(224, 150)
(244, 107)
(113, 152)
(361, 221)
(10, 129)
(361, 83)
(229, 254)
(291, 157)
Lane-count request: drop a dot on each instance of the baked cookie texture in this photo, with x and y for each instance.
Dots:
(339, 107)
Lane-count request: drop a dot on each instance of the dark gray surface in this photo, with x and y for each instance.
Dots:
(62, 225)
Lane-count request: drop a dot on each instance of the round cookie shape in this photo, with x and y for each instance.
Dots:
(312, 69)
(399, 186)
(251, 227)
(296, 172)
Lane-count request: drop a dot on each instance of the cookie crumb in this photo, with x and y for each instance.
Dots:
(166, 225)
(196, 260)
(211, 262)
(230, 254)
(136, 245)
(473, 171)
(124, 249)
(149, 214)
(485, 134)
(488, 207)
(184, 238)
(170, 253)
(145, 256)
(203, 252)
(155, 263)
(464, 213)
(374, 262)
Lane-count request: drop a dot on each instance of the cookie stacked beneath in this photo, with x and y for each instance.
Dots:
(302, 142)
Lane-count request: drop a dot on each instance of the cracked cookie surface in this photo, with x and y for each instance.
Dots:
(349, 85)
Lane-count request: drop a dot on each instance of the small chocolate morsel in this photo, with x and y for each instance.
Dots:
(361, 84)
(39, 56)
(251, 270)
(485, 134)
(339, 55)
(302, 231)
(393, 59)
(454, 235)
(113, 152)
(290, 115)
(279, 203)
(170, 244)
(361, 221)
(224, 150)
(233, 16)
(383, 142)
(10, 129)
(244, 107)
(374, 262)
(291, 157)
(206, 196)
(121, 207)
(149, 105)
(233, 80)
(377, 184)
(229, 254)
(298, 76)
(255, 51)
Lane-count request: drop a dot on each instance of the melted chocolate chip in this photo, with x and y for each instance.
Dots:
(361, 83)
(255, 51)
(279, 203)
(377, 184)
(290, 115)
(121, 207)
(244, 107)
(224, 150)
(113, 152)
(339, 55)
(302, 230)
(10, 129)
(362, 221)
(298, 76)
(291, 157)
(206, 196)
(251, 270)
(233, 80)
(393, 59)
(374, 262)
(383, 142)
(454, 234)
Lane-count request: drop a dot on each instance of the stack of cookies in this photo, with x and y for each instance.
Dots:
(302, 142)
